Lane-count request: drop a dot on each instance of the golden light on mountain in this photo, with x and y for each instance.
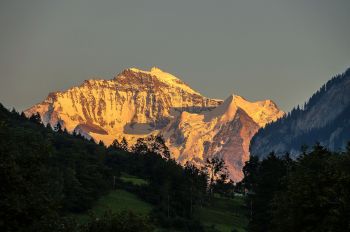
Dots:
(139, 103)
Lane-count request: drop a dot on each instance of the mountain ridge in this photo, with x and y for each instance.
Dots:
(139, 103)
(324, 118)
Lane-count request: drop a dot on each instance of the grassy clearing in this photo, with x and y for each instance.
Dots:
(117, 201)
(133, 179)
(224, 214)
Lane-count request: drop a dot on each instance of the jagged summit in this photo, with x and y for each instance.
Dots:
(160, 75)
(226, 111)
(153, 70)
(139, 103)
(262, 112)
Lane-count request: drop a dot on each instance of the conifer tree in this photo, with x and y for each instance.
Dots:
(35, 118)
(115, 144)
(124, 145)
(58, 127)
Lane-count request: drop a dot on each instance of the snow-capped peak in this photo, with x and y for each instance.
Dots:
(261, 111)
(166, 78)
(226, 110)
(138, 103)
(156, 69)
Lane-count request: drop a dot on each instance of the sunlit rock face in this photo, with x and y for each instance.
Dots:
(139, 103)
(224, 131)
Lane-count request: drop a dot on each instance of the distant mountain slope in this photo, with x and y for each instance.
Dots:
(139, 103)
(325, 118)
(225, 132)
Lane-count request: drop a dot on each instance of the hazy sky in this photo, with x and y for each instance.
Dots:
(278, 49)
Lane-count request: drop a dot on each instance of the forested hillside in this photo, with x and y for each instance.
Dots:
(325, 118)
(48, 176)
(45, 174)
(311, 193)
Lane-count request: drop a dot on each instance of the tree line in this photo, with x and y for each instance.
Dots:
(48, 174)
(311, 193)
(284, 130)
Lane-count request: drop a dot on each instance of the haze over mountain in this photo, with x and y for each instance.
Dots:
(325, 118)
(139, 103)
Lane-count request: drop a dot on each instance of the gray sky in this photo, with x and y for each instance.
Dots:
(283, 50)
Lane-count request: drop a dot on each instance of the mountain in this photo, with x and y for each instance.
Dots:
(325, 118)
(132, 104)
(139, 103)
(225, 131)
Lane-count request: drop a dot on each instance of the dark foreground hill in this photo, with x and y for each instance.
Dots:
(310, 193)
(48, 176)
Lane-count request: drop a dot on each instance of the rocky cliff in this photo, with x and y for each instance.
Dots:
(139, 103)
